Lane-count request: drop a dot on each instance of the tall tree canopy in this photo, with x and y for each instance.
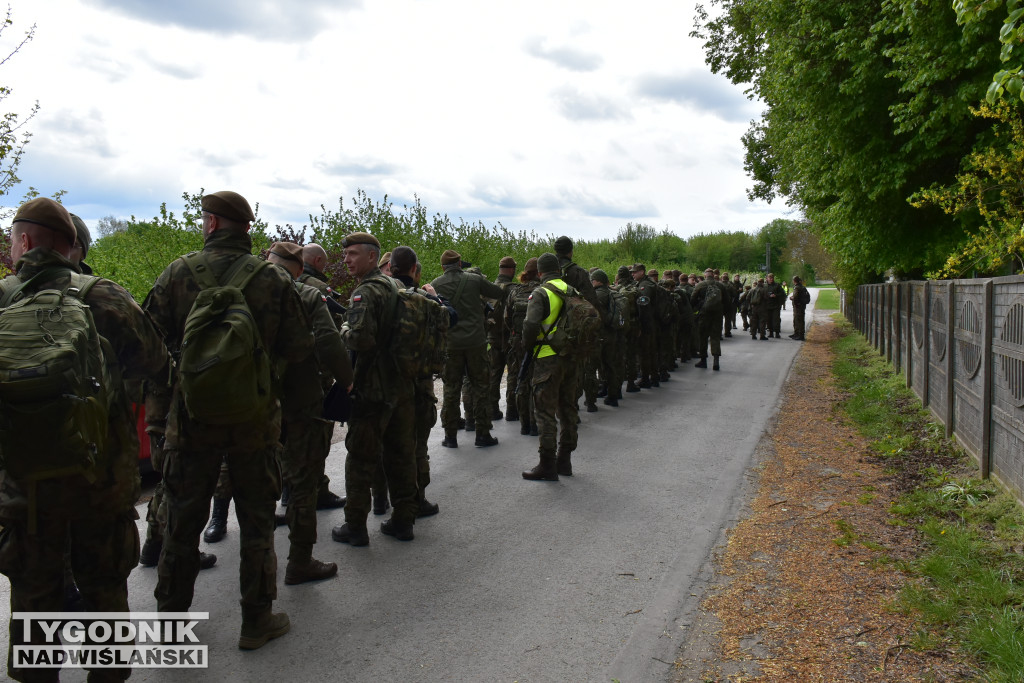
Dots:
(866, 104)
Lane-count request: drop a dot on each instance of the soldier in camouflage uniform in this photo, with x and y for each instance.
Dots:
(610, 345)
(647, 293)
(92, 524)
(554, 377)
(305, 435)
(774, 298)
(383, 421)
(467, 348)
(497, 341)
(709, 321)
(515, 314)
(631, 333)
(579, 278)
(194, 451)
(758, 310)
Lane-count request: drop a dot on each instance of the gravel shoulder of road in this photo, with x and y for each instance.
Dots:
(803, 587)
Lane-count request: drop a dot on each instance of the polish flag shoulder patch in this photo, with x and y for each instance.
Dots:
(357, 298)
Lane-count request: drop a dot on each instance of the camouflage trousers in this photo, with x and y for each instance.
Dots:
(514, 361)
(798, 320)
(381, 433)
(710, 330)
(496, 368)
(631, 357)
(190, 477)
(306, 442)
(102, 548)
(554, 398)
(685, 338)
(471, 362)
(587, 377)
(524, 392)
(774, 319)
(648, 353)
(611, 364)
(426, 417)
(666, 348)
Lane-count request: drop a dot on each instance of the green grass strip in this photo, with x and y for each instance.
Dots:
(967, 586)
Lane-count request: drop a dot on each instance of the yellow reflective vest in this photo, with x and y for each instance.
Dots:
(548, 326)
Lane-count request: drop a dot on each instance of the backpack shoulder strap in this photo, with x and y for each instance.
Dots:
(243, 270)
(10, 295)
(199, 265)
(82, 284)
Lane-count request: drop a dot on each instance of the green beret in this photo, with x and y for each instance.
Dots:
(599, 275)
(82, 233)
(49, 214)
(360, 238)
(531, 265)
(507, 262)
(638, 267)
(228, 204)
(563, 245)
(547, 263)
(450, 256)
(290, 251)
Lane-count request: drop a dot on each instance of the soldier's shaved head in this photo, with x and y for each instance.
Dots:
(315, 255)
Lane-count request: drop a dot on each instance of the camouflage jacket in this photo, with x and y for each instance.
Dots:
(779, 293)
(366, 334)
(579, 279)
(280, 319)
(304, 384)
(470, 331)
(140, 354)
(497, 333)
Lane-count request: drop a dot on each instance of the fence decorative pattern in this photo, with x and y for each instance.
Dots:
(960, 346)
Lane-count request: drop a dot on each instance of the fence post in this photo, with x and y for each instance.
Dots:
(889, 291)
(950, 367)
(910, 334)
(898, 320)
(987, 334)
(926, 319)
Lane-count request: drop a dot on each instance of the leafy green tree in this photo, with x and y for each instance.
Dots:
(866, 103)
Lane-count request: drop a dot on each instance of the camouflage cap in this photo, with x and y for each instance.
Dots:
(531, 265)
(287, 250)
(547, 263)
(82, 232)
(599, 275)
(450, 256)
(507, 262)
(384, 260)
(638, 267)
(48, 213)
(359, 238)
(563, 245)
(228, 204)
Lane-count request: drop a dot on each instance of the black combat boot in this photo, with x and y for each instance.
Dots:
(351, 534)
(426, 508)
(665, 376)
(218, 527)
(715, 365)
(512, 413)
(612, 401)
(602, 390)
(451, 440)
(591, 407)
(534, 430)
(544, 471)
(703, 363)
(380, 504)
(496, 414)
(207, 560)
(631, 387)
(401, 531)
(484, 439)
(563, 462)
(524, 427)
(329, 500)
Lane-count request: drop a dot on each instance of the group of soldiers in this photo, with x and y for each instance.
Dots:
(319, 350)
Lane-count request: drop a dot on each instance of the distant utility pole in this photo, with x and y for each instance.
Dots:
(767, 257)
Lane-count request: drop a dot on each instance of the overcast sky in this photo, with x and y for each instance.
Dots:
(557, 116)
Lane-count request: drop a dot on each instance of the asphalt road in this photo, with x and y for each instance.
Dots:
(587, 579)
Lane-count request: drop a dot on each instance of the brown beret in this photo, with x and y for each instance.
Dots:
(638, 267)
(287, 250)
(359, 238)
(507, 262)
(531, 265)
(48, 213)
(450, 256)
(384, 260)
(228, 204)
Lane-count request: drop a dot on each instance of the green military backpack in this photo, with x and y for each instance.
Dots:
(712, 298)
(224, 372)
(617, 306)
(577, 326)
(56, 389)
(515, 309)
(418, 336)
